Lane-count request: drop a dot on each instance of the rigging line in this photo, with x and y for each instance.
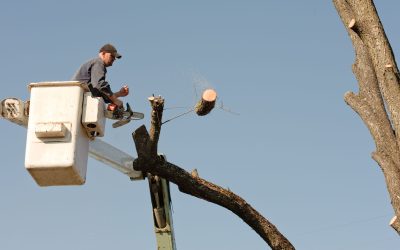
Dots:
(221, 106)
(229, 111)
(195, 90)
(177, 107)
(185, 113)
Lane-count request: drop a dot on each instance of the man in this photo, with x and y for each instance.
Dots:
(93, 73)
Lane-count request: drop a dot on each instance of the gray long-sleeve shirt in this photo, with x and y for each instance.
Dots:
(94, 72)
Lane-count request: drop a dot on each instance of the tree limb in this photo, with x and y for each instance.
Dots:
(391, 171)
(365, 111)
(375, 117)
(157, 104)
(377, 74)
(193, 185)
(379, 52)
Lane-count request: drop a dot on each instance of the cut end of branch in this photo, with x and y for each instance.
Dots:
(352, 23)
(349, 96)
(395, 224)
(155, 99)
(209, 95)
(157, 102)
(393, 220)
(194, 173)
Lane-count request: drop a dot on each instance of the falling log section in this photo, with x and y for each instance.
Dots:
(207, 102)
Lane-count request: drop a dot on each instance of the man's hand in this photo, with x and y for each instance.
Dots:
(124, 91)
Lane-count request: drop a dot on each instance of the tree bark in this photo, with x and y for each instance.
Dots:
(148, 161)
(377, 102)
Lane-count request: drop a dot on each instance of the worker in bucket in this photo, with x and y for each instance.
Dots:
(93, 73)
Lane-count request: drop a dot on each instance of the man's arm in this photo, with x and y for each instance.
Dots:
(124, 91)
(98, 79)
(99, 83)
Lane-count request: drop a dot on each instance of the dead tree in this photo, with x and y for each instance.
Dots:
(378, 100)
(149, 161)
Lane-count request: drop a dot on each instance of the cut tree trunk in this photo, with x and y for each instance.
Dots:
(207, 102)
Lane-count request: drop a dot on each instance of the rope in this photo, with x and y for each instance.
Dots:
(185, 113)
(177, 107)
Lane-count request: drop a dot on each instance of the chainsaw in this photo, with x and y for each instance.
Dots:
(123, 116)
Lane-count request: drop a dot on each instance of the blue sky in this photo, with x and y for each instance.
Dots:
(296, 152)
